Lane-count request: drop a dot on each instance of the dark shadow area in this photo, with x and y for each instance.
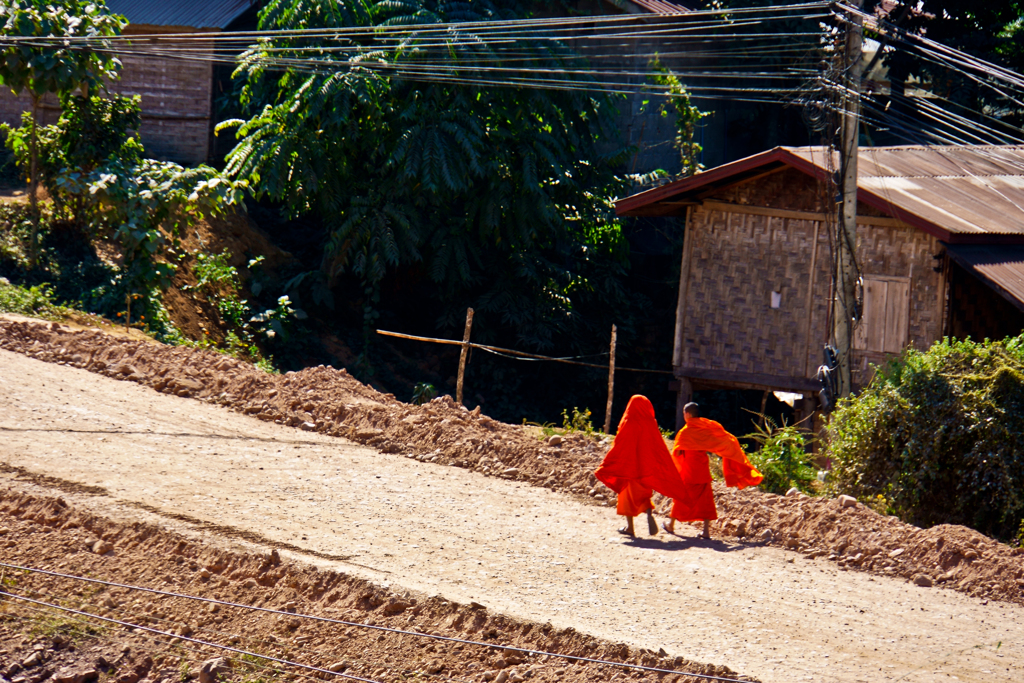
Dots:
(665, 542)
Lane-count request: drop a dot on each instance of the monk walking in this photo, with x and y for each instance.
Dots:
(695, 440)
(638, 464)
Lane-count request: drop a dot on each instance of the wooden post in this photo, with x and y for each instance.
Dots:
(128, 316)
(684, 285)
(611, 385)
(684, 394)
(463, 355)
(846, 276)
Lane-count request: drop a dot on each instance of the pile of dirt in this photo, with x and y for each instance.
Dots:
(856, 537)
(326, 400)
(330, 401)
(47, 533)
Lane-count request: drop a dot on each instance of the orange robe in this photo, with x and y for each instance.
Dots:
(639, 462)
(634, 499)
(693, 442)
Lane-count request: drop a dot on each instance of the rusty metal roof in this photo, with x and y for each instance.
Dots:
(959, 194)
(661, 6)
(1002, 267)
(186, 13)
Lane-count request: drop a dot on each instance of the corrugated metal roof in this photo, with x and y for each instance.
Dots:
(190, 13)
(661, 6)
(971, 193)
(1001, 267)
(963, 190)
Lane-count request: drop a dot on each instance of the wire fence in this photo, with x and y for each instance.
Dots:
(310, 617)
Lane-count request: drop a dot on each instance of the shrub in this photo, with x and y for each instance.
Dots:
(782, 457)
(423, 392)
(578, 421)
(937, 435)
(33, 301)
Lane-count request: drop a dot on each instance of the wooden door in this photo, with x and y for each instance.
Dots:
(884, 323)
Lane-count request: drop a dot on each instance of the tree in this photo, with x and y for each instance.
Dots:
(50, 66)
(991, 30)
(500, 196)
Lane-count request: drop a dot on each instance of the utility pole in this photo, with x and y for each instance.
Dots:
(844, 304)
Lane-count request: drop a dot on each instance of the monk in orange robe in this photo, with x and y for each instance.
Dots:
(695, 440)
(638, 464)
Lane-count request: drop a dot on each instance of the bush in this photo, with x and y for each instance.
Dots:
(35, 301)
(937, 435)
(782, 457)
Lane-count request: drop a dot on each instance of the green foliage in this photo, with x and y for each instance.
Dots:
(687, 116)
(266, 364)
(53, 67)
(89, 132)
(139, 201)
(215, 273)
(15, 227)
(100, 182)
(782, 456)
(578, 421)
(221, 283)
(41, 68)
(135, 199)
(990, 30)
(274, 323)
(37, 301)
(423, 392)
(498, 197)
(937, 434)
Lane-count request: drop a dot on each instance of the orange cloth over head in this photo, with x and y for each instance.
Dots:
(702, 434)
(639, 454)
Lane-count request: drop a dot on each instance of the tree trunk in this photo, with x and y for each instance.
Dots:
(33, 186)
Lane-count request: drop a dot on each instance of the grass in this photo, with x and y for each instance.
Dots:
(36, 301)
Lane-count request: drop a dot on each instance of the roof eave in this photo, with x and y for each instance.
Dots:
(655, 202)
(642, 201)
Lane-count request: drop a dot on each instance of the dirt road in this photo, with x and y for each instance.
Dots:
(520, 549)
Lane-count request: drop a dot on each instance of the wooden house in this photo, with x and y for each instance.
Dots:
(178, 96)
(940, 250)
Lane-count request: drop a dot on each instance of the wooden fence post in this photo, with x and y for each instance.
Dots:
(462, 357)
(611, 385)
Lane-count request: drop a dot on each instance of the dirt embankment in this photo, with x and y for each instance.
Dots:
(47, 532)
(193, 313)
(332, 402)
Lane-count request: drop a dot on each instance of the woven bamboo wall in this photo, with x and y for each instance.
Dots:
(176, 101)
(737, 259)
(903, 252)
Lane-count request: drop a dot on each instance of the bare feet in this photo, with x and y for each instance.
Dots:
(669, 528)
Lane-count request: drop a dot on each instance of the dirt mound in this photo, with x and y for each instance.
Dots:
(326, 400)
(48, 532)
(332, 402)
(857, 537)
